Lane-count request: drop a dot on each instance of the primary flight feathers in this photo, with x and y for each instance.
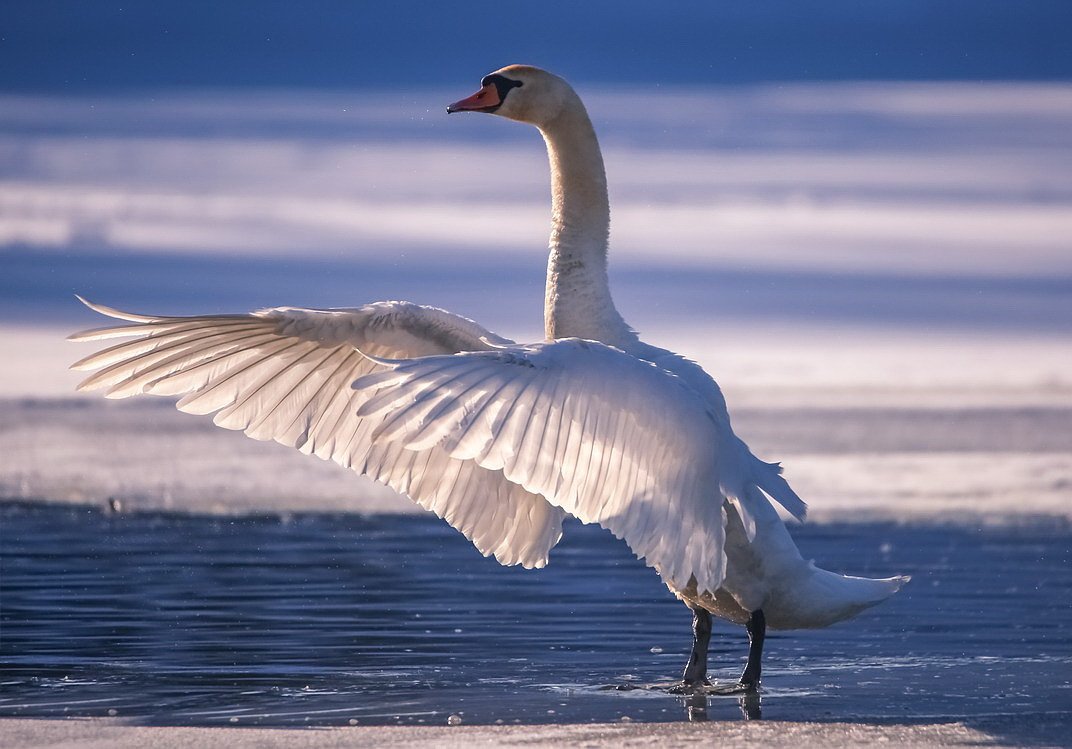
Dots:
(284, 374)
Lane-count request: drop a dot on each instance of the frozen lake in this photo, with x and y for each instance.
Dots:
(877, 274)
(329, 619)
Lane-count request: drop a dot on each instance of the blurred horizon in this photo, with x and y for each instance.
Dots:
(901, 180)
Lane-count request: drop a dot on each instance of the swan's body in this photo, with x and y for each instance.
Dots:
(504, 440)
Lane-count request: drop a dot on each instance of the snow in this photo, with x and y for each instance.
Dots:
(1007, 729)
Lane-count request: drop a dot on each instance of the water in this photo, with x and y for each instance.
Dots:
(333, 619)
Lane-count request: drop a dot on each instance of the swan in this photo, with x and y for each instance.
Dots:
(504, 440)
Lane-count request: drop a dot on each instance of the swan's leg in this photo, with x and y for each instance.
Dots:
(757, 630)
(696, 670)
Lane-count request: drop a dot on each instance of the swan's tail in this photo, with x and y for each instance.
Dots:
(824, 597)
(864, 592)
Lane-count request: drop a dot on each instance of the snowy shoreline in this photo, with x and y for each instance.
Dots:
(997, 731)
(960, 466)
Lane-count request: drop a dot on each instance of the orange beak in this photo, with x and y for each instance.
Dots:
(487, 98)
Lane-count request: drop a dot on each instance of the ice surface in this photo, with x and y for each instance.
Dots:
(320, 619)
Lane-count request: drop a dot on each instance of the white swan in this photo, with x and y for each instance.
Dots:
(503, 440)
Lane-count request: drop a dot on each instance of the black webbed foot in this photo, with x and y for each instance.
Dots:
(694, 680)
(729, 689)
(691, 687)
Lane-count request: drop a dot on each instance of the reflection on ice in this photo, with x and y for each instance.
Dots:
(197, 620)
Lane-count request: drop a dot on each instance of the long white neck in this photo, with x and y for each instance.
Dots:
(578, 302)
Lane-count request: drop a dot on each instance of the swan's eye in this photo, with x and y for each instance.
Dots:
(502, 84)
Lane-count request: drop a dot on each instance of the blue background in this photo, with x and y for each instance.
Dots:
(73, 46)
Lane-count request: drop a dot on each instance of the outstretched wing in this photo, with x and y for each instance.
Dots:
(605, 436)
(284, 374)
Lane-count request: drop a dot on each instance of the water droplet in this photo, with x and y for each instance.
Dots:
(626, 719)
(656, 650)
(234, 719)
(113, 712)
(454, 719)
(353, 721)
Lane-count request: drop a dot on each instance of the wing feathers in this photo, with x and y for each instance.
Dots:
(155, 339)
(121, 365)
(500, 440)
(600, 434)
(284, 374)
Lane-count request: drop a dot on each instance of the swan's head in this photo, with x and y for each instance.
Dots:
(522, 93)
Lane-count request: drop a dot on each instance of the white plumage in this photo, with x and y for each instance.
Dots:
(504, 440)
(284, 374)
(607, 437)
